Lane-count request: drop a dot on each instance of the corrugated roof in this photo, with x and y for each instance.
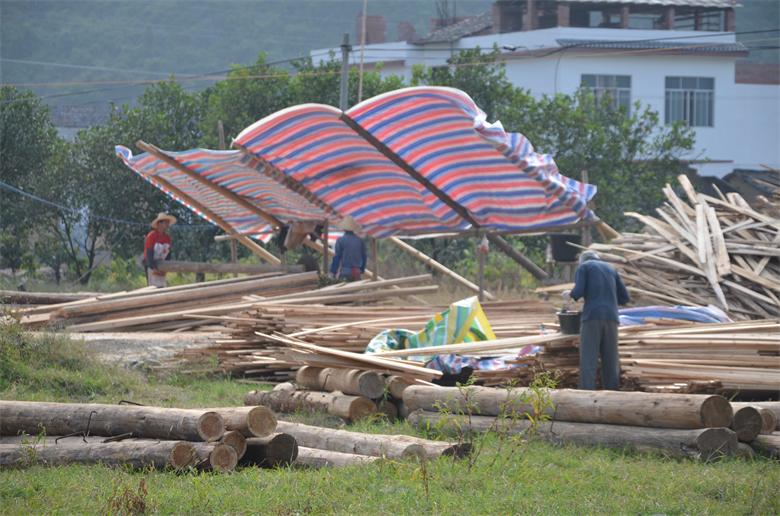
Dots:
(705, 47)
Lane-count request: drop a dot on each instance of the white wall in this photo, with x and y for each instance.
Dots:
(746, 127)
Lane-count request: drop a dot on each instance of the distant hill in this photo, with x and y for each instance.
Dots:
(103, 43)
(81, 53)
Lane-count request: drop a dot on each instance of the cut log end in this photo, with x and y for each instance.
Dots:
(716, 441)
(211, 426)
(747, 423)
(223, 458)
(371, 384)
(261, 421)
(361, 407)
(182, 455)
(716, 412)
(235, 440)
(277, 450)
(458, 450)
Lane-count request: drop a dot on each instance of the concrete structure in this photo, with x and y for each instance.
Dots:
(678, 56)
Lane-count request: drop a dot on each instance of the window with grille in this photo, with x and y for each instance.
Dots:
(690, 99)
(617, 88)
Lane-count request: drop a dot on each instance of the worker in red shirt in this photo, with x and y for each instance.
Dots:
(157, 247)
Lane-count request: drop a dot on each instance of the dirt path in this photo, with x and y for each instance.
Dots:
(135, 349)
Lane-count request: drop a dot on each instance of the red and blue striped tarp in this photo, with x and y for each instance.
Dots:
(497, 176)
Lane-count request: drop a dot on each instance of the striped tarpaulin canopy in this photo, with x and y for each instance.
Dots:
(440, 133)
(228, 169)
(497, 176)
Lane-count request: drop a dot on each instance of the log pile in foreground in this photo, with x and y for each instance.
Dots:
(137, 436)
(218, 439)
(701, 251)
(674, 424)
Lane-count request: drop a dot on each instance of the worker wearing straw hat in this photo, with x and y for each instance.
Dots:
(157, 247)
(349, 261)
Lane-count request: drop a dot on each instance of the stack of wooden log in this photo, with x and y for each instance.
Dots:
(706, 251)
(348, 393)
(680, 425)
(206, 439)
(137, 436)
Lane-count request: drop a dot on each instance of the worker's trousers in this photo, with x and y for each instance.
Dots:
(599, 338)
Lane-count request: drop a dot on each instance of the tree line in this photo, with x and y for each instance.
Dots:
(63, 201)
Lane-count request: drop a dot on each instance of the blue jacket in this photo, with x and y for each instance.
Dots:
(350, 252)
(600, 284)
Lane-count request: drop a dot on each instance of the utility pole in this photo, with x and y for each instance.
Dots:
(345, 48)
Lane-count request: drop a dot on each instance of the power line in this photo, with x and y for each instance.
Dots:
(76, 211)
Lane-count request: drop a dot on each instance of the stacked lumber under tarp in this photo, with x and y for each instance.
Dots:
(680, 425)
(136, 436)
(703, 250)
(255, 347)
(218, 439)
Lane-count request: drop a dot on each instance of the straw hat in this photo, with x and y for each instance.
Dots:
(163, 216)
(349, 224)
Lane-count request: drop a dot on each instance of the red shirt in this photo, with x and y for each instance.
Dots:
(156, 237)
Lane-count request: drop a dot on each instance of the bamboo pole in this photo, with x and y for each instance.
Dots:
(433, 264)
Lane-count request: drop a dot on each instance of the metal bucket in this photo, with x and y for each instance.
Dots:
(569, 322)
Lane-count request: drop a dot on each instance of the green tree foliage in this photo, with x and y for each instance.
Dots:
(27, 137)
(629, 157)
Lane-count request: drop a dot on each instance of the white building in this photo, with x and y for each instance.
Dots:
(678, 56)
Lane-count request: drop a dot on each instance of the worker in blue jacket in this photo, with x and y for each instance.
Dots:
(349, 261)
(600, 285)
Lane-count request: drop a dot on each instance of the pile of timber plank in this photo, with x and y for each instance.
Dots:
(680, 425)
(703, 251)
(670, 356)
(253, 348)
(152, 309)
(137, 436)
(720, 357)
(737, 357)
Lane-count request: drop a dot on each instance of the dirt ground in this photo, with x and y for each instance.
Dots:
(141, 348)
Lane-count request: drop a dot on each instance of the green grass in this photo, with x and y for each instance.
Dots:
(507, 476)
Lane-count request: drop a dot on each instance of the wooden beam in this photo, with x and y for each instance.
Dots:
(517, 256)
(219, 221)
(433, 264)
(225, 192)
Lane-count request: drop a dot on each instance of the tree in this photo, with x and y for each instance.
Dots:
(26, 139)
(248, 94)
(629, 157)
(475, 72)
